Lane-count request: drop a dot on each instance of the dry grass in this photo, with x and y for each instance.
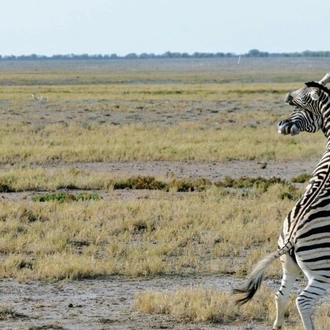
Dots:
(200, 304)
(113, 113)
(26, 145)
(164, 234)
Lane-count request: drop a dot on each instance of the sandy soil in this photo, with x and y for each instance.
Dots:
(213, 171)
(97, 304)
(108, 303)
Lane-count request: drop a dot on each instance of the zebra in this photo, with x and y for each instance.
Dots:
(304, 243)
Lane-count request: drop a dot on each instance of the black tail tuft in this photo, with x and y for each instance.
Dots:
(249, 290)
(248, 295)
(257, 275)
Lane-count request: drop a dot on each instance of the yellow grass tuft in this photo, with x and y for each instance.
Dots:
(199, 304)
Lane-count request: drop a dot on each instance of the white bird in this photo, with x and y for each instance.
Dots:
(40, 99)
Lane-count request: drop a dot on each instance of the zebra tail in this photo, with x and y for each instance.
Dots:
(255, 279)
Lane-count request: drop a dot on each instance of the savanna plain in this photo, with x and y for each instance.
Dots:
(135, 194)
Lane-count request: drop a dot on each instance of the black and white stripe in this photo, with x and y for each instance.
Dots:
(304, 243)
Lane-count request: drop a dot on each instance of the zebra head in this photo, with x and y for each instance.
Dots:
(301, 120)
(312, 97)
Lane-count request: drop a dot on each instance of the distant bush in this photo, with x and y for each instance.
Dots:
(140, 182)
(199, 184)
(150, 183)
(6, 188)
(301, 178)
(247, 182)
(65, 197)
(188, 185)
(168, 54)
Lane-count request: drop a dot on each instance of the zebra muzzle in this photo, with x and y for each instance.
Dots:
(287, 128)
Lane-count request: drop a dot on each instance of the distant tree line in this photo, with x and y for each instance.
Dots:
(251, 53)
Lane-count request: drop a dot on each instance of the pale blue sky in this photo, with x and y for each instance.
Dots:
(48, 27)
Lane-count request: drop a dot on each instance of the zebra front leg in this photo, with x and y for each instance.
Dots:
(290, 273)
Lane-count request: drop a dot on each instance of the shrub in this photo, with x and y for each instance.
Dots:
(247, 182)
(301, 178)
(140, 182)
(188, 185)
(65, 197)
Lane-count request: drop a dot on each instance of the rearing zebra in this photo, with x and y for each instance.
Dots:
(304, 243)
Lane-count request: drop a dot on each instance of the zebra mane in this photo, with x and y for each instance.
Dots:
(318, 85)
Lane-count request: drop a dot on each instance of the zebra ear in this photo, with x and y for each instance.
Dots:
(315, 91)
(318, 86)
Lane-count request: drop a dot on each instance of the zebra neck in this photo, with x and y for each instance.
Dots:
(324, 110)
(326, 127)
(318, 185)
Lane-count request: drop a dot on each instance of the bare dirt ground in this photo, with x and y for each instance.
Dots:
(96, 304)
(99, 304)
(109, 303)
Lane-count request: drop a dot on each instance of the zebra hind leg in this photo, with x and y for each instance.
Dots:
(315, 289)
(290, 273)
